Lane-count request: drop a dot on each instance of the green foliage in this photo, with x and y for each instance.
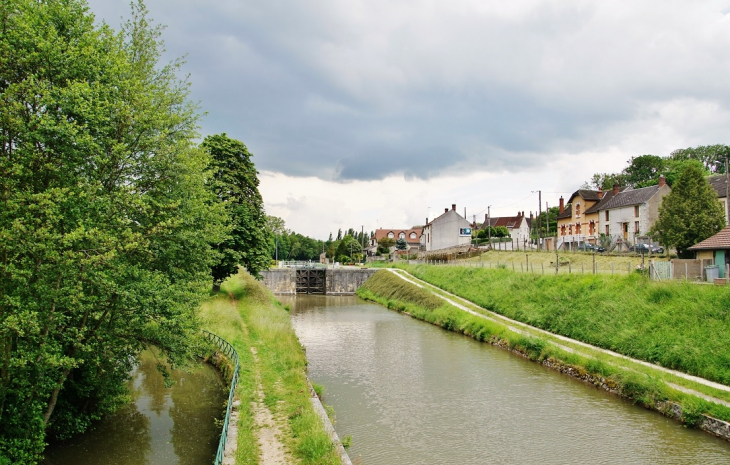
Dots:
(712, 157)
(689, 214)
(105, 220)
(385, 244)
(401, 244)
(347, 248)
(235, 184)
(677, 325)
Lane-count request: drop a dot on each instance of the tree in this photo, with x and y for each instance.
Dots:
(385, 244)
(644, 170)
(708, 155)
(347, 246)
(236, 184)
(105, 219)
(690, 213)
(401, 244)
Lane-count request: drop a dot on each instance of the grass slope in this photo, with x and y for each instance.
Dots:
(676, 325)
(247, 315)
(649, 390)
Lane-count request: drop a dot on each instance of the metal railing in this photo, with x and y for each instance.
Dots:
(231, 353)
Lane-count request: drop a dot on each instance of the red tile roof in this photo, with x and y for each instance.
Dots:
(720, 240)
(381, 233)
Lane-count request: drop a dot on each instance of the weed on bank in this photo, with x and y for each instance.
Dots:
(246, 314)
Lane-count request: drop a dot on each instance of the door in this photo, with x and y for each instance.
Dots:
(721, 259)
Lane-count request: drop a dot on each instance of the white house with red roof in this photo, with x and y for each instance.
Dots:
(448, 230)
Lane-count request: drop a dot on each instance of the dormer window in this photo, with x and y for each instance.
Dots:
(391, 235)
(577, 210)
(413, 235)
(402, 235)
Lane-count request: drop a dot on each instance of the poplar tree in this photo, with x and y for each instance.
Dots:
(105, 219)
(235, 183)
(690, 213)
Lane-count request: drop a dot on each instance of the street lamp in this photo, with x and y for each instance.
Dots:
(727, 191)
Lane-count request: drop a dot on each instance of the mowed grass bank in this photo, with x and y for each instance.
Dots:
(647, 389)
(673, 324)
(246, 314)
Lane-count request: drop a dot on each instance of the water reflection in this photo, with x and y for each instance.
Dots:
(411, 393)
(162, 426)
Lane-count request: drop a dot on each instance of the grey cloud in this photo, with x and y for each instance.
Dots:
(346, 91)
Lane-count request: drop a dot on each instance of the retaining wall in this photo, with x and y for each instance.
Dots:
(282, 281)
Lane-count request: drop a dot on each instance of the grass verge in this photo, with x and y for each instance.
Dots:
(246, 314)
(646, 388)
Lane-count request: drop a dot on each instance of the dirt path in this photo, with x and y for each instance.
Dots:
(269, 430)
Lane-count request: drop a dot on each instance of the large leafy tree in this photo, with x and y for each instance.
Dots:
(690, 213)
(235, 182)
(105, 220)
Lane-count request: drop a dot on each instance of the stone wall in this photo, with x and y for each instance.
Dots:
(343, 281)
(282, 281)
(346, 281)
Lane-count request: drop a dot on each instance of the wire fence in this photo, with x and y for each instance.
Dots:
(231, 353)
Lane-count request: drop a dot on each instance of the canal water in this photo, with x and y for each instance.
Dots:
(162, 426)
(408, 392)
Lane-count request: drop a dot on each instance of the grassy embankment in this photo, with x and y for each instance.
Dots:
(670, 323)
(569, 262)
(247, 315)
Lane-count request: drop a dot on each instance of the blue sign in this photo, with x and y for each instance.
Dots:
(464, 231)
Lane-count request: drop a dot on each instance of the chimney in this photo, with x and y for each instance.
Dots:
(453, 206)
(615, 189)
(523, 214)
(446, 210)
(486, 219)
(600, 193)
(662, 181)
(562, 206)
(531, 217)
(426, 221)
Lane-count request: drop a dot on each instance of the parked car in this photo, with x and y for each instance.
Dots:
(644, 249)
(586, 247)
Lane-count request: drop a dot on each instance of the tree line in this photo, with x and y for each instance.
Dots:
(114, 222)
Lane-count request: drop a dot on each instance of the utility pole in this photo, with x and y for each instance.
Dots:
(727, 192)
(547, 219)
(489, 225)
(539, 220)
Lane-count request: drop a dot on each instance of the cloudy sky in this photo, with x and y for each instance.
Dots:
(375, 113)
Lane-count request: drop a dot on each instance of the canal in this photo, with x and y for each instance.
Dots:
(408, 392)
(161, 426)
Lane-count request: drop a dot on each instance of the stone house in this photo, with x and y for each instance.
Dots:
(718, 182)
(412, 237)
(518, 226)
(630, 214)
(578, 221)
(448, 230)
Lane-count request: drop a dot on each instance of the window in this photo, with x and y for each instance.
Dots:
(413, 235)
(636, 211)
(570, 229)
(607, 233)
(391, 235)
(606, 217)
(562, 230)
(402, 235)
(591, 228)
(577, 228)
(636, 226)
(577, 210)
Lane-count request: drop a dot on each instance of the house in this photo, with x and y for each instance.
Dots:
(518, 226)
(412, 237)
(448, 230)
(719, 183)
(715, 248)
(578, 221)
(630, 214)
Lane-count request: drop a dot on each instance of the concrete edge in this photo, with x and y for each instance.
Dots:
(328, 427)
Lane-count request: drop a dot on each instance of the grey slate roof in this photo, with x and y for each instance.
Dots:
(586, 194)
(630, 197)
(718, 183)
(607, 196)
